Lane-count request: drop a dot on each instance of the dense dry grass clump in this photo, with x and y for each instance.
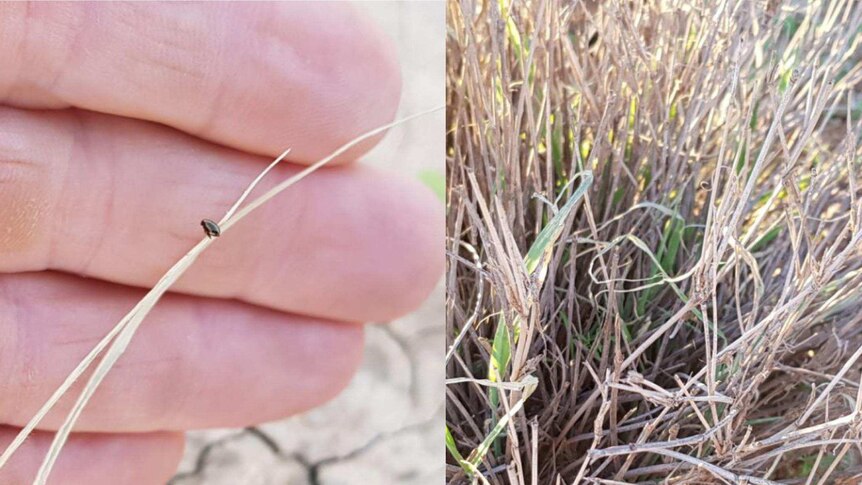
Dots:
(692, 311)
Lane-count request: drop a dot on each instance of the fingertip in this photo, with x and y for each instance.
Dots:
(325, 75)
(341, 357)
(330, 354)
(378, 86)
(256, 77)
(359, 70)
(416, 248)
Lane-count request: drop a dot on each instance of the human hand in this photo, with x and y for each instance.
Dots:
(124, 125)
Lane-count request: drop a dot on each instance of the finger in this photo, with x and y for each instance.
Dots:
(93, 459)
(194, 363)
(259, 77)
(89, 194)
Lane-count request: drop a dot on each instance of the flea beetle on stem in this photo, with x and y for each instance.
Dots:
(211, 228)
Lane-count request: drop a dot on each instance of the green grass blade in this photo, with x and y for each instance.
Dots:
(501, 354)
(435, 181)
(453, 450)
(667, 251)
(465, 465)
(539, 256)
(529, 383)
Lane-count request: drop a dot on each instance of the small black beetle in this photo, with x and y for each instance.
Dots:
(211, 228)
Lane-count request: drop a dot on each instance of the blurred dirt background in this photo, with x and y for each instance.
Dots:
(387, 425)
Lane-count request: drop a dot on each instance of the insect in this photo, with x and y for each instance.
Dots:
(211, 228)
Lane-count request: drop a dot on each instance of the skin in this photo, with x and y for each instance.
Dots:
(121, 127)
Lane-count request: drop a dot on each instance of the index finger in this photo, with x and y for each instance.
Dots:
(257, 77)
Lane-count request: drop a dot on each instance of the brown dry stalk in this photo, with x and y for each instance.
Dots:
(711, 275)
